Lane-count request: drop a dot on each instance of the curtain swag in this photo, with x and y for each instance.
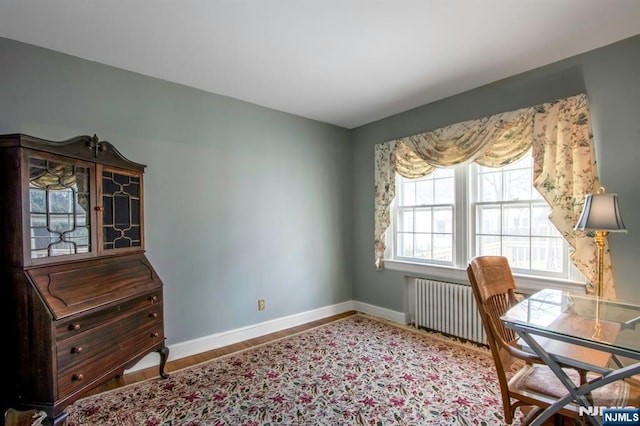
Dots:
(559, 136)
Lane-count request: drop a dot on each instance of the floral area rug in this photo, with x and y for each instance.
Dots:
(354, 371)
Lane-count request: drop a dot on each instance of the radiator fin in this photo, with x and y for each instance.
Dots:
(448, 308)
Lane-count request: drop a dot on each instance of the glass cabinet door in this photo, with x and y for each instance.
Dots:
(121, 210)
(59, 207)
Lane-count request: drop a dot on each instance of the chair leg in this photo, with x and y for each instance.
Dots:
(583, 376)
(531, 416)
(558, 419)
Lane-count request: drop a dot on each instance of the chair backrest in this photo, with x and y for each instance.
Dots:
(494, 290)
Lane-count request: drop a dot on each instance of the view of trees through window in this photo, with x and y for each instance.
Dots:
(504, 215)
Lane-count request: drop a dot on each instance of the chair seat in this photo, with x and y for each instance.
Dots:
(540, 383)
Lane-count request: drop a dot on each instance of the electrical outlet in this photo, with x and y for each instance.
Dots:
(261, 304)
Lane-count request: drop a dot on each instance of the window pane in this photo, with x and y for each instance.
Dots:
(515, 220)
(547, 254)
(61, 201)
(517, 185)
(540, 223)
(490, 186)
(516, 249)
(488, 246)
(424, 192)
(61, 223)
(488, 219)
(405, 245)
(80, 237)
(38, 200)
(535, 195)
(62, 248)
(408, 194)
(406, 221)
(41, 238)
(423, 246)
(444, 191)
(444, 172)
(423, 220)
(524, 162)
(443, 219)
(38, 220)
(443, 247)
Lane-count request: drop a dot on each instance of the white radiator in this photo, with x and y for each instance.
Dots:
(449, 309)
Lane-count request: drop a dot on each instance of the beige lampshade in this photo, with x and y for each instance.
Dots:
(601, 213)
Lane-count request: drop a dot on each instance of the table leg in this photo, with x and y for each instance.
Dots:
(575, 393)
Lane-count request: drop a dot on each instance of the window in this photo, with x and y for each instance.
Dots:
(511, 219)
(453, 214)
(424, 228)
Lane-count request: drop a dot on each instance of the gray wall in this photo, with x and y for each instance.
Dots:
(611, 78)
(242, 202)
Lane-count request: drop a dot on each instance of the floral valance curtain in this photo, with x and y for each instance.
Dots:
(559, 134)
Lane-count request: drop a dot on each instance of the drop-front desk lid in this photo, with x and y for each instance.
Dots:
(75, 287)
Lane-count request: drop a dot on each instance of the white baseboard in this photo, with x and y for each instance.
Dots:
(218, 340)
(388, 314)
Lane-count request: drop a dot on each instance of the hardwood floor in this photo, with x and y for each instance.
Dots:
(179, 364)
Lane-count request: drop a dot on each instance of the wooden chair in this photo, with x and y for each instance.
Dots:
(534, 384)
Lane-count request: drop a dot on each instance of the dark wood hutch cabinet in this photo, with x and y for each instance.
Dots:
(79, 299)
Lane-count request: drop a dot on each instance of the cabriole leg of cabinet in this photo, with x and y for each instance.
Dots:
(61, 420)
(164, 355)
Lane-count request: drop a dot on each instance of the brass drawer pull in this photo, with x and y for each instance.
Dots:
(77, 377)
(74, 326)
(76, 349)
(153, 315)
(153, 299)
(154, 334)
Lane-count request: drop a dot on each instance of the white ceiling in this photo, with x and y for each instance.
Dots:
(346, 62)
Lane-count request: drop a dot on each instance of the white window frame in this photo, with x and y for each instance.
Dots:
(433, 207)
(464, 246)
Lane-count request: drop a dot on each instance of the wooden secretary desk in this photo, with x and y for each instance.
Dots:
(80, 301)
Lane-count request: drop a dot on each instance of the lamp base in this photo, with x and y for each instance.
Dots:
(599, 239)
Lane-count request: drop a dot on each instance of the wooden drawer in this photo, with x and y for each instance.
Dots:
(98, 341)
(137, 342)
(81, 323)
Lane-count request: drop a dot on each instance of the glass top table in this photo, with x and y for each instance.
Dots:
(577, 317)
(551, 317)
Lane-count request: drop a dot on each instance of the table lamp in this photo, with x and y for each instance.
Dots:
(601, 214)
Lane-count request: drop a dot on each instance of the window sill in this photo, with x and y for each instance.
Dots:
(524, 283)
